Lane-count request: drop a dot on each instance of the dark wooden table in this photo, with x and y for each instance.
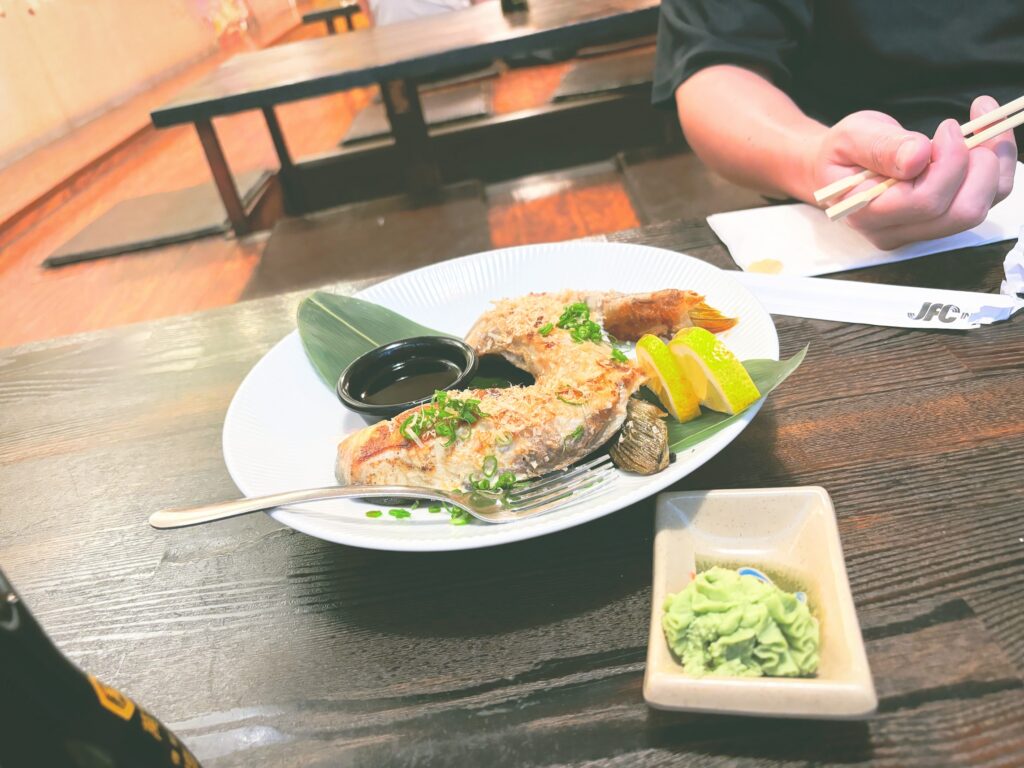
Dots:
(395, 56)
(264, 647)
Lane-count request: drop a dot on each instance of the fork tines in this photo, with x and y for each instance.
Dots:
(557, 486)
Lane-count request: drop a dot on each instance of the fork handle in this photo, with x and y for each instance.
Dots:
(179, 518)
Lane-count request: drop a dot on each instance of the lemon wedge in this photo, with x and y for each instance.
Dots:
(717, 378)
(665, 379)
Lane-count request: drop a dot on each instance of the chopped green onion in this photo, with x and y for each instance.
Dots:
(568, 402)
(399, 514)
(503, 438)
(374, 513)
(459, 516)
(573, 436)
(618, 357)
(447, 416)
(488, 488)
(588, 331)
(445, 430)
(408, 428)
(434, 509)
(545, 329)
(574, 314)
(576, 319)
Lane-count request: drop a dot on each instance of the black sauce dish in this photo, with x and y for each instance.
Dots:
(395, 377)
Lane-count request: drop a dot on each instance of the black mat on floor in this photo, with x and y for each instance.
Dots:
(607, 74)
(367, 240)
(663, 186)
(451, 105)
(152, 221)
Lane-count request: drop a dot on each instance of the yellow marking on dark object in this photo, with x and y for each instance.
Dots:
(149, 724)
(112, 699)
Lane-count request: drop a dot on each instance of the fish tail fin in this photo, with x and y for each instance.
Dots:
(704, 316)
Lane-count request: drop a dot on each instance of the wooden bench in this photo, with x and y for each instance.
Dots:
(346, 9)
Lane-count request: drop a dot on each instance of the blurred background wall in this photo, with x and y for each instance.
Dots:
(64, 62)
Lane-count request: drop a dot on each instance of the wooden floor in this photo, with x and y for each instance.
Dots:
(42, 303)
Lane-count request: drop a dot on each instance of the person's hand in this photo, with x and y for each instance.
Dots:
(944, 189)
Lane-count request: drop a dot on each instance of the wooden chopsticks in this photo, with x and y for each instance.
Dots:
(856, 202)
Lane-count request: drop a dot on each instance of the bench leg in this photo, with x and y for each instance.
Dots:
(331, 29)
(222, 177)
(405, 114)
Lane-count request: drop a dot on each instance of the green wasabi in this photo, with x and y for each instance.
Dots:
(723, 623)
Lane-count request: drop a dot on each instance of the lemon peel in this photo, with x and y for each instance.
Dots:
(715, 374)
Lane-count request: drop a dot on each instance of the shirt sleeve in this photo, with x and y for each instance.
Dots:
(694, 34)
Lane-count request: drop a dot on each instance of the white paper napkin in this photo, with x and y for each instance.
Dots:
(799, 240)
(1013, 268)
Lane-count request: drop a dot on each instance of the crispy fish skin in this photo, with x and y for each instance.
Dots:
(577, 403)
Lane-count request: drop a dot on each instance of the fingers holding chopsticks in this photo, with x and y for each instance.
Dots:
(927, 197)
(960, 182)
(1004, 146)
(878, 143)
(967, 207)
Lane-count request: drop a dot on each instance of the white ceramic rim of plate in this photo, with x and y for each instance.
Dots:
(305, 519)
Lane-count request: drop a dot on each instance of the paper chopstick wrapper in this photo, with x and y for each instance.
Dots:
(1013, 268)
(799, 240)
(892, 305)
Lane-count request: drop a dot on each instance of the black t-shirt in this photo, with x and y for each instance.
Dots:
(920, 61)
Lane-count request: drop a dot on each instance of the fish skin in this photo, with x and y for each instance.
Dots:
(541, 426)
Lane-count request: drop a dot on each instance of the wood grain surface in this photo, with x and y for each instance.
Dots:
(264, 647)
(419, 49)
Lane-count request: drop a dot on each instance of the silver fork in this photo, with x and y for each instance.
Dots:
(530, 499)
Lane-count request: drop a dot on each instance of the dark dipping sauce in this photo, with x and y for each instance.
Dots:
(395, 377)
(410, 381)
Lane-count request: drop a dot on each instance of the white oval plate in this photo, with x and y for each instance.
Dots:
(283, 425)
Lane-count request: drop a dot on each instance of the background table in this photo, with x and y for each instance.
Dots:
(395, 56)
(328, 16)
(264, 647)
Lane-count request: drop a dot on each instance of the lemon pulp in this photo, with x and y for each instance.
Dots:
(665, 379)
(716, 376)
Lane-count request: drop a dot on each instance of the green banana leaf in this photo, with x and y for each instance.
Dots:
(767, 375)
(335, 330)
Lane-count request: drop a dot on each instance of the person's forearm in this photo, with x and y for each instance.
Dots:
(749, 131)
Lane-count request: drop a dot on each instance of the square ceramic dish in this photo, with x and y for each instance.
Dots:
(791, 535)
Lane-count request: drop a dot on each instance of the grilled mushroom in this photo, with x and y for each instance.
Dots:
(642, 444)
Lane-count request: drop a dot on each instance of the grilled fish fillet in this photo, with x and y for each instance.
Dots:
(576, 405)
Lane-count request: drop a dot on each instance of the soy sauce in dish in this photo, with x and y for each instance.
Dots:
(410, 381)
